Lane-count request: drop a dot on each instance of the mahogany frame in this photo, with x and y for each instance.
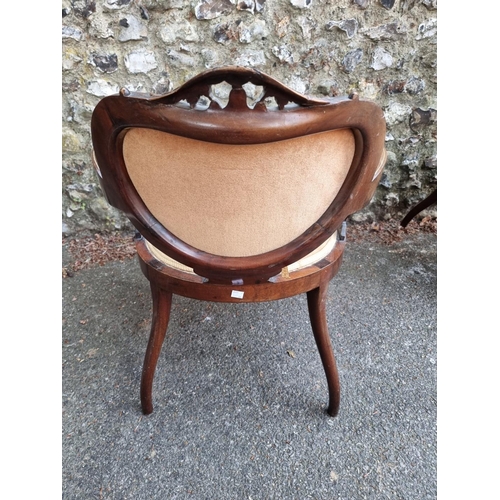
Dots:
(258, 277)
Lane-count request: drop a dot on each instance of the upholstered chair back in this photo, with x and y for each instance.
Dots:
(237, 191)
(237, 199)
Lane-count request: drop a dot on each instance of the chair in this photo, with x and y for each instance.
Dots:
(238, 203)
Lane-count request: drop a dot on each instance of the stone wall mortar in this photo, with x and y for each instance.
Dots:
(384, 50)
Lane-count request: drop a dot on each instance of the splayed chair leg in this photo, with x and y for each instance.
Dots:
(316, 301)
(162, 301)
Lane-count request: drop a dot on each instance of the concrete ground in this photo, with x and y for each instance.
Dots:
(240, 393)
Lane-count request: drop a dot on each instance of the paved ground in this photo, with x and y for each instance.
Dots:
(240, 392)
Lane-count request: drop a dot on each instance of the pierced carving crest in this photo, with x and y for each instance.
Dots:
(200, 92)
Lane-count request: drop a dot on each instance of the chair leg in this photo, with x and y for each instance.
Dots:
(316, 300)
(419, 207)
(162, 302)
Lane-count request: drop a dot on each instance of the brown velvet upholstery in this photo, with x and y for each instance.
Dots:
(237, 200)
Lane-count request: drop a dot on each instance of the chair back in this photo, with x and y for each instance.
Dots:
(237, 192)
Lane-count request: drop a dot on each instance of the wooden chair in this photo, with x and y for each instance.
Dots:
(242, 202)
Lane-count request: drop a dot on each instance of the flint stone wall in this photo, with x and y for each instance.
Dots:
(384, 50)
